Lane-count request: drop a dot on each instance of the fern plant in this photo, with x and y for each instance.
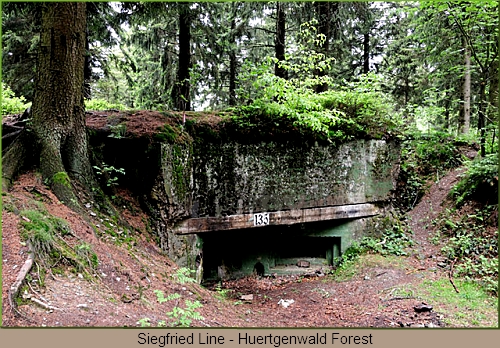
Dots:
(178, 316)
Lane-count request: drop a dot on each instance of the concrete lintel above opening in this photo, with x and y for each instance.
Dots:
(285, 217)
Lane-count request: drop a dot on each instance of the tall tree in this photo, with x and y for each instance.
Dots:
(58, 111)
(280, 39)
(181, 92)
(464, 121)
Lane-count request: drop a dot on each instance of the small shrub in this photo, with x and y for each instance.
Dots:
(10, 103)
(479, 182)
(424, 156)
(118, 131)
(472, 245)
(178, 316)
(87, 255)
(394, 241)
(109, 173)
(222, 294)
(292, 105)
(38, 230)
(183, 317)
(436, 151)
(350, 255)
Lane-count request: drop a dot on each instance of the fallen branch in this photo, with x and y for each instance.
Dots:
(400, 298)
(450, 275)
(21, 276)
(43, 304)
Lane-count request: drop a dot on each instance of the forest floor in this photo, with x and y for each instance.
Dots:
(375, 291)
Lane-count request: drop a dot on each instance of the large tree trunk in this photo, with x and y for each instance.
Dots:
(181, 95)
(279, 42)
(58, 111)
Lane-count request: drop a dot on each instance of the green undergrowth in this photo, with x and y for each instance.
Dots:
(470, 241)
(103, 105)
(54, 244)
(479, 182)
(178, 316)
(357, 262)
(471, 307)
(425, 158)
(110, 229)
(337, 115)
(395, 240)
(10, 103)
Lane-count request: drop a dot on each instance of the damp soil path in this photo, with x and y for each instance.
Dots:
(430, 206)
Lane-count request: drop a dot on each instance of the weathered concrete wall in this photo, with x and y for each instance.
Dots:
(231, 178)
(227, 180)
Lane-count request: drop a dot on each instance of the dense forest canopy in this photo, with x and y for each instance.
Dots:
(433, 65)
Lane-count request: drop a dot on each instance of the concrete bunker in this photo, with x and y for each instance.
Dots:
(270, 250)
(242, 205)
(203, 195)
(282, 249)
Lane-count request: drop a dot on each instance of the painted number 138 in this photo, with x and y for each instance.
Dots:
(261, 219)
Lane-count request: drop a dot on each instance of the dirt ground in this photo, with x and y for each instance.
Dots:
(121, 291)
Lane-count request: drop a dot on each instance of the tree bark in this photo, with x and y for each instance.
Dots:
(493, 90)
(465, 122)
(279, 42)
(181, 95)
(366, 53)
(232, 65)
(58, 112)
(447, 104)
(481, 118)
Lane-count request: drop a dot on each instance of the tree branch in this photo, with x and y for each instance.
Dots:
(468, 40)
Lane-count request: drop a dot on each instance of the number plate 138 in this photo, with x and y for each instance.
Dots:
(261, 219)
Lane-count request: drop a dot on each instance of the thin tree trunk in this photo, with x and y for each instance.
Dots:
(166, 80)
(466, 91)
(366, 53)
(447, 112)
(232, 66)
(481, 119)
(279, 43)
(493, 91)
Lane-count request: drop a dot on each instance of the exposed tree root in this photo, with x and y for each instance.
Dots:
(43, 304)
(15, 158)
